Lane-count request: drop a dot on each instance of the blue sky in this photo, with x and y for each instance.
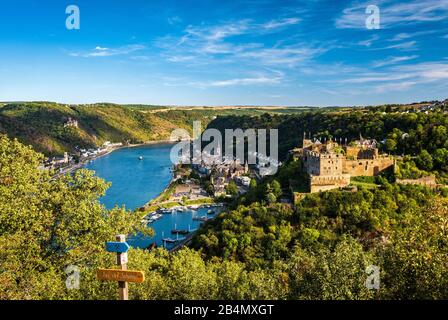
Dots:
(247, 52)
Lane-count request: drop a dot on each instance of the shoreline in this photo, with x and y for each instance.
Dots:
(148, 212)
(82, 163)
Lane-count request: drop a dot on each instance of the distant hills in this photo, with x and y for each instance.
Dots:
(44, 124)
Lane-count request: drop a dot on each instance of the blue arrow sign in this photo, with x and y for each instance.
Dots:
(117, 247)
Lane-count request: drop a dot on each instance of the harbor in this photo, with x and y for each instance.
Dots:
(175, 226)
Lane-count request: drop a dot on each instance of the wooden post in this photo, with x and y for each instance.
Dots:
(122, 262)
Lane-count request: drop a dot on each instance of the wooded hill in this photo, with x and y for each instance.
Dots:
(41, 124)
(419, 135)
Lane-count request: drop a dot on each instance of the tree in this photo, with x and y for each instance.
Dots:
(271, 198)
(415, 261)
(391, 144)
(232, 188)
(209, 188)
(337, 274)
(424, 160)
(48, 224)
(253, 184)
(441, 159)
(276, 188)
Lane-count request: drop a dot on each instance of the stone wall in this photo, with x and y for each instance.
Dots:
(311, 163)
(323, 164)
(329, 169)
(359, 153)
(331, 164)
(367, 167)
(324, 183)
(429, 181)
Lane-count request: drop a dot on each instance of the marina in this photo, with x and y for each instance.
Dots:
(174, 226)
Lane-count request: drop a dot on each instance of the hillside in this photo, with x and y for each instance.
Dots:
(41, 124)
(420, 136)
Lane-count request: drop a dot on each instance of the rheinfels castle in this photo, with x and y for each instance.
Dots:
(330, 164)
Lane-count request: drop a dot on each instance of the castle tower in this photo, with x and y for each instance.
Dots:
(306, 142)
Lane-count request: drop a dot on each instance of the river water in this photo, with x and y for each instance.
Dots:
(135, 182)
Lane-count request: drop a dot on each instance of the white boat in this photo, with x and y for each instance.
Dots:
(140, 158)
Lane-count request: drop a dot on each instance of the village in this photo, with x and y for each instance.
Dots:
(327, 165)
(69, 162)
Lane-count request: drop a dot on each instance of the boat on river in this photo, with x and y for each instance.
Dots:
(201, 219)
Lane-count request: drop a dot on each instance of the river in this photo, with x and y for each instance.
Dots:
(135, 182)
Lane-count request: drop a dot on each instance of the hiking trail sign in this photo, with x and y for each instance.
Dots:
(122, 275)
(119, 247)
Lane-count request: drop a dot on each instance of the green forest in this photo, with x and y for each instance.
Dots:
(41, 124)
(420, 139)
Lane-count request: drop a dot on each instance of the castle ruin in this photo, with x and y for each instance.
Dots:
(330, 165)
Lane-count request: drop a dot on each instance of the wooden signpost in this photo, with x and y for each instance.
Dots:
(122, 275)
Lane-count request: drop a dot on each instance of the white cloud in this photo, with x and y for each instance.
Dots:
(205, 44)
(392, 60)
(216, 33)
(368, 78)
(174, 20)
(275, 24)
(404, 46)
(368, 42)
(107, 52)
(286, 56)
(272, 77)
(101, 49)
(400, 86)
(405, 36)
(245, 81)
(401, 77)
(410, 45)
(394, 14)
(221, 32)
(180, 58)
(240, 44)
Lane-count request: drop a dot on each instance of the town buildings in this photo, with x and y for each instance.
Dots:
(222, 172)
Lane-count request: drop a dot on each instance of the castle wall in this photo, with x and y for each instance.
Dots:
(324, 183)
(331, 170)
(367, 167)
(359, 153)
(351, 152)
(311, 163)
(331, 164)
(428, 181)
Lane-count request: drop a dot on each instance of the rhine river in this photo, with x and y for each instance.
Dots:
(135, 182)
